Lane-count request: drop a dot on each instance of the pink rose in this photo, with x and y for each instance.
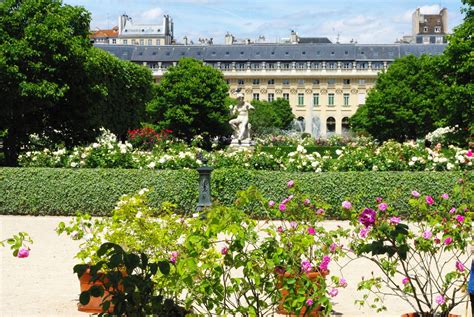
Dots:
(452, 210)
(290, 183)
(306, 266)
(460, 218)
(342, 282)
(459, 266)
(363, 232)
(306, 202)
(271, 203)
(427, 234)
(405, 280)
(383, 206)
(395, 220)
(224, 250)
(346, 204)
(280, 229)
(333, 292)
(440, 300)
(333, 247)
(378, 200)
(323, 266)
(309, 302)
(448, 241)
(320, 211)
(23, 252)
(415, 194)
(282, 207)
(429, 200)
(293, 224)
(469, 153)
(311, 231)
(445, 196)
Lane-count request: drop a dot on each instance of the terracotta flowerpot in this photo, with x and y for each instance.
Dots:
(94, 305)
(426, 315)
(313, 276)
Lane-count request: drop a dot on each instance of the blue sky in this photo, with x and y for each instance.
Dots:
(368, 21)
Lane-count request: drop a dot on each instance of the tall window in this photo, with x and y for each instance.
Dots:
(125, 42)
(331, 125)
(286, 96)
(114, 41)
(331, 99)
(285, 81)
(241, 66)
(331, 81)
(300, 99)
(315, 99)
(361, 81)
(256, 82)
(346, 81)
(286, 65)
(256, 96)
(271, 81)
(300, 81)
(240, 81)
(345, 125)
(315, 81)
(346, 99)
(271, 97)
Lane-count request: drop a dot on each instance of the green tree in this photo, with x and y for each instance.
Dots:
(457, 72)
(190, 100)
(43, 46)
(404, 102)
(270, 115)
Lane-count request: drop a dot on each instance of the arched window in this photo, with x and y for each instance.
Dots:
(330, 125)
(345, 125)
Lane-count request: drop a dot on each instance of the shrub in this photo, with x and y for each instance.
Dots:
(47, 191)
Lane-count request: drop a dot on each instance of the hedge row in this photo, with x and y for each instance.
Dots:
(285, 149)
(47, 191)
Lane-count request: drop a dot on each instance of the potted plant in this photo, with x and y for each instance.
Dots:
(128, 287)
(303, 254)
(422, 256)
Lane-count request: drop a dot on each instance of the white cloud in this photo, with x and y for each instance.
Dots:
(430, 9)
(152, 15)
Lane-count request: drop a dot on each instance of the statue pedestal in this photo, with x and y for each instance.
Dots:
(244, 144)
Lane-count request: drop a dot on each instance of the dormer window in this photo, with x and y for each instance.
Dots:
(425, 29)
(437, 29)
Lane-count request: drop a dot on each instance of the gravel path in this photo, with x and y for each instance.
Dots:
(44, 285)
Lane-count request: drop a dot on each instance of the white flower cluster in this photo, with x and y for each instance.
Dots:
(439, 134)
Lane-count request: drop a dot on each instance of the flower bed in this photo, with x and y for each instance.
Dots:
(107, 152)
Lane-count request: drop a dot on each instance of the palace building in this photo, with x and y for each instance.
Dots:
(325, 83)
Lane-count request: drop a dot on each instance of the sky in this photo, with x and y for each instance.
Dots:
(365, 21)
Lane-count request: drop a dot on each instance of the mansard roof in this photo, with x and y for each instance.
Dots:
(271, 52)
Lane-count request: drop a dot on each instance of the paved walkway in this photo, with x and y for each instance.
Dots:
(44, 285)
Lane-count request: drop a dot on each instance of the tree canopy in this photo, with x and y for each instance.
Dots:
(270, 115)
(417, 95)
(54, 83)
(190, 100)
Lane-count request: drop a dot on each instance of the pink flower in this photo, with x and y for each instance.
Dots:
(383, 206)
(427, 234)
(333, 292)
(282, 207)
(346, 204)
(440, 300)
(363, 232)
(367, 217)
(311, 231)
(309, 302)
(290, 183)
(320, 211)
(445, 196)
(378, 200)
(437, 241)
(23, 252)
(459, 266)
(174, 257)
(306, 266)
(452, 210)
(224, 250)
(323, 266)
(280, 229)
(290, 197)
(448, 241)
(342, 282)
(405, 280)
(271, 203)
(306, 202)
(469, 153)
(415, 194)
(394, 220)
(429, 200)
(460, 218)
(333, 247)
(293, 224)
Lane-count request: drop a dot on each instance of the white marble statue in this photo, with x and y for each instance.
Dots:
(241, 124)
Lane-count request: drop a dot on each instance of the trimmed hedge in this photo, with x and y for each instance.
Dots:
(49, 191)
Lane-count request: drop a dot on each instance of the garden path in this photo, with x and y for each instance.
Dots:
(43, 284)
